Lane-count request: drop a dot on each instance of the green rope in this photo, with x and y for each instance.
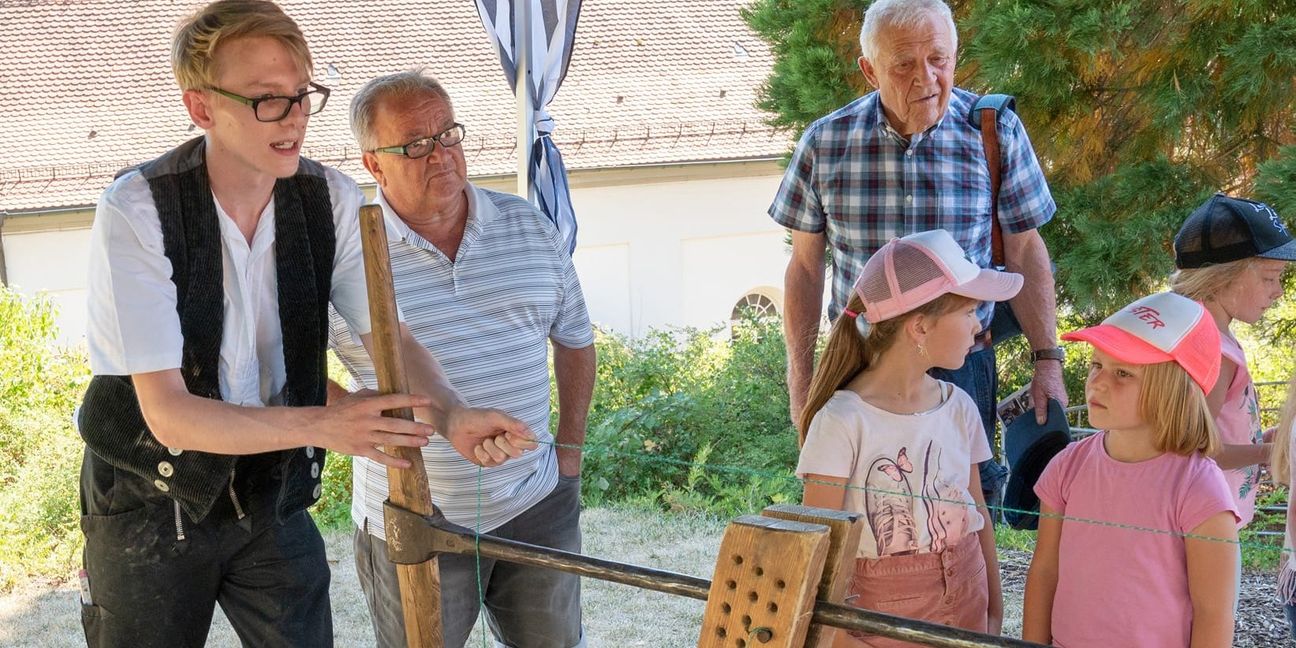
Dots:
(753, 472)
(481, 590)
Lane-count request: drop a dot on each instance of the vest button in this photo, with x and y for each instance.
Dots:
(319, 488)
(310, 452)
(165, 469)
(315, 471)
(175, 452)
(162, 486)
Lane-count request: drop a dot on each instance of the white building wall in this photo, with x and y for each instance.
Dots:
(692, 249)
(53, 263)
(679, 253)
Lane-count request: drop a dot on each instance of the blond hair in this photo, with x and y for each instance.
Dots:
(193, 51)
(850, 352)
(1206, 283)
(1174, 406)
(1280, 455)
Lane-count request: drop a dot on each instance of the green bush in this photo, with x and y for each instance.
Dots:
(40, 451)
(692, 419)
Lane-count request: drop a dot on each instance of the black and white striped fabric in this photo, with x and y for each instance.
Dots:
(487, 317)
(553, 32)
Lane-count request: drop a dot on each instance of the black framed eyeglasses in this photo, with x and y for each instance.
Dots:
(275, 108)
(422, 146)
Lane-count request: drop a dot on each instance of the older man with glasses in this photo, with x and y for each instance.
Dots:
(485, 282)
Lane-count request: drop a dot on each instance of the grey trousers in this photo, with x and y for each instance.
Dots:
(526, 607)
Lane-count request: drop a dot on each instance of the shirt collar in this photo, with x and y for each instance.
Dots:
(480, 211)
(881, 122)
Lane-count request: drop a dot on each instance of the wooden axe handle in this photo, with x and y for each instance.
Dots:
(420, 584)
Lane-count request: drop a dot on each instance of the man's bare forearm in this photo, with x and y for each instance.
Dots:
(574, 371)
(1036, 305)
(426, 378)
(179, 419)
(802, 306)
(353, 425)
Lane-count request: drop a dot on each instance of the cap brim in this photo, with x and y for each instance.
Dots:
(991, 285)
(1119, 344)
(1023, 432)
(1284, 252)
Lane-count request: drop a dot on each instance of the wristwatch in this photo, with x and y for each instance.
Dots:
(1056, 353)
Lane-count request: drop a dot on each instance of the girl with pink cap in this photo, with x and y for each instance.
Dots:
(1137, 542)
(882, 438)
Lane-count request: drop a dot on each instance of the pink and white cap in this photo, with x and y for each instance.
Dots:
(1165, 327)
(912, 271)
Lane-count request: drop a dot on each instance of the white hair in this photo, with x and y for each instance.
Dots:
(885, 14)
(364, 105)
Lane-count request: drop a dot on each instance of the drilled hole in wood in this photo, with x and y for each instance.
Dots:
(725, 607)
(746, 621)
(737, 560)
(742, 643)
(721, 632)
(731, 584)
(752, 596)
(773, 607)
(780, 584)
(760, 572)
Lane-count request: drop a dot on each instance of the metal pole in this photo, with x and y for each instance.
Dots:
(4, 274)
(522, 90)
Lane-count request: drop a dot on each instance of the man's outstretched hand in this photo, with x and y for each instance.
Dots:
(487, 437)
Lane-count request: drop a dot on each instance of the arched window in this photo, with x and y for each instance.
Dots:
(754, 306)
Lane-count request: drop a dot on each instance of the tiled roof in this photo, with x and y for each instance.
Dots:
(86, 87)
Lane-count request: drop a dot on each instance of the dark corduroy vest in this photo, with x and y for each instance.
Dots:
(110, 420)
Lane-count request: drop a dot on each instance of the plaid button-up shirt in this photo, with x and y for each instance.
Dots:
(855, 178)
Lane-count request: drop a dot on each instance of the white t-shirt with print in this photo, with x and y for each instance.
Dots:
(906, 473)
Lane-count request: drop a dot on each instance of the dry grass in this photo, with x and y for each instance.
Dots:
(46, 615)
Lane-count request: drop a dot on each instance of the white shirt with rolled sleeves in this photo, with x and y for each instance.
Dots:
(487, 317)
(133, 326)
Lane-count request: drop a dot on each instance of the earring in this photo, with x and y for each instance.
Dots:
(922, 350)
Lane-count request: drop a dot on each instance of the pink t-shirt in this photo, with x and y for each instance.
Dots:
(1126, 587)
(908, 473)
(1239, 424)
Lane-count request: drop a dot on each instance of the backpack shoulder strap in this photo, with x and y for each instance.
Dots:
(984, 117)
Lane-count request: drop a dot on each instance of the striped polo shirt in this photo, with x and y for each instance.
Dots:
(486, 316)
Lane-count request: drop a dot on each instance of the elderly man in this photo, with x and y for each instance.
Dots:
(905, 159)
(484, 281)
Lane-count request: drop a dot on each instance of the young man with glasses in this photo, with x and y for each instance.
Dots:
(211, 272)
(485, 282)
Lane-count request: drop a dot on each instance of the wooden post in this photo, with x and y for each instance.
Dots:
(420, 584)
(844, 530)
(766, 577)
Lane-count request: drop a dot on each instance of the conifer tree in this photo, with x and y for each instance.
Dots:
(1138, 110)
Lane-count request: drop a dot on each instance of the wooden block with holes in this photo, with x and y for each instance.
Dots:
(763, 590)
(844, 529)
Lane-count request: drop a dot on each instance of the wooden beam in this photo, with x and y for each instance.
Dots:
(844, 530)
(420, 583)
(766, 576)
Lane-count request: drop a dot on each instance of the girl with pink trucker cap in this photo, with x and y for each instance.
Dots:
(882, 438)
(1137, 542)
